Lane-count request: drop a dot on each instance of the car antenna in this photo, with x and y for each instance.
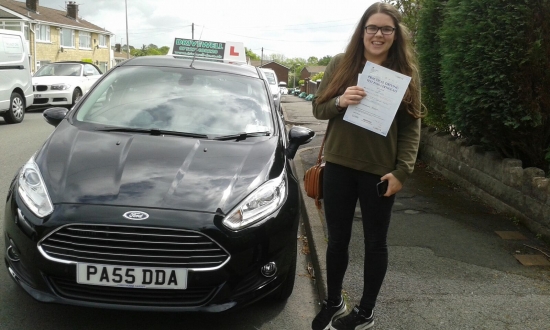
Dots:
(195, 53)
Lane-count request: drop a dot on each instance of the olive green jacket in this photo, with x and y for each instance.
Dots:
(352, 146)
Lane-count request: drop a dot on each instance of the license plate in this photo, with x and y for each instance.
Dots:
(37, 95)
(132, 277)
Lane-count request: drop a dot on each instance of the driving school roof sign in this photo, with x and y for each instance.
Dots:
(229, 51)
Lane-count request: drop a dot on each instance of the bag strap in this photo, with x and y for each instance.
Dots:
(320, 157)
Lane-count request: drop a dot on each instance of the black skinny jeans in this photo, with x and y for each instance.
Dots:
(342, 186)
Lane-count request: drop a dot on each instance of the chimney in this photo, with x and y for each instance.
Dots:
(72, 9)
(32, 5)
(117, 48)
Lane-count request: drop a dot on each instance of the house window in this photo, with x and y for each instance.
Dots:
(85, 40)
(67, 38)
(102, 40)
(43, 33)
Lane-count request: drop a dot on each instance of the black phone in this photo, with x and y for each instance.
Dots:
(382, 187)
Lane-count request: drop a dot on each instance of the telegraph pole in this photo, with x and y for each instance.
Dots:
(262, 58)
(193, 31)
(127, 40)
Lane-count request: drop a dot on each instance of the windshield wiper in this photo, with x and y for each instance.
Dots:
(241, 136)
(152, 131)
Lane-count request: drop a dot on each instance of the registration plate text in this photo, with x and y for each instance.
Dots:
(132, 277)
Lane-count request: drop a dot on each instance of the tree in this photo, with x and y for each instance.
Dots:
(496, 83)
(296, 65)
(325, 60)
(429, 58)
(279, 58)
(149, 50)
(251, 55)
(312, 60)
(410, 10)
(318, 76)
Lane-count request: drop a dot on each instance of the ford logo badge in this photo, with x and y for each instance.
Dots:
(135, 215)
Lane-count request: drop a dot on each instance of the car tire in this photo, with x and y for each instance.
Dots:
(285, 290)
(16, 113)
(77, 95)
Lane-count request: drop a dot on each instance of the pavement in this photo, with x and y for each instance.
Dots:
(454, 263)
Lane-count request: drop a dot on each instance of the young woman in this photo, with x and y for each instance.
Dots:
(358, 159)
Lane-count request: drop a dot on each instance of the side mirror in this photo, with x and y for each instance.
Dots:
(297, 136)
(54, 116)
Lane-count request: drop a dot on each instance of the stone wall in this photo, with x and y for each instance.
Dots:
(501, 183)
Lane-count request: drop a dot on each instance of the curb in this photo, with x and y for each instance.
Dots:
(314, 224)
(313, 219)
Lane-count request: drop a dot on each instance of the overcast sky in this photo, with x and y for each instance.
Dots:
(298, 28)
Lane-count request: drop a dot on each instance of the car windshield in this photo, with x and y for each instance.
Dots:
(59, 70)
(270, 78)
(179, 100)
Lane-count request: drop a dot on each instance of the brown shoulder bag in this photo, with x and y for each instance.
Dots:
(313, 178)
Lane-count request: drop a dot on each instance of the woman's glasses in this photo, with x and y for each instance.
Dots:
(373, 29)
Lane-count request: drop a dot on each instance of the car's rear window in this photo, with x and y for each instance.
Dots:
(180, 100)
(270, 78)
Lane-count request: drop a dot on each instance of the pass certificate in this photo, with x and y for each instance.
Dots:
(385, 90)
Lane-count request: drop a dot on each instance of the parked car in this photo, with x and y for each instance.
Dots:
(169, 186)
(63, 83)
(273, 85)
(15, 76)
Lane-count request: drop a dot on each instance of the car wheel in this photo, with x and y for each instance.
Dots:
(16, 112)
(77, 95)
(286, 288)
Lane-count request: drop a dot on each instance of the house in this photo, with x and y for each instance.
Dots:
(120, 55)
(310, 87)
(56, 35)
(280, 70)
(310, 71)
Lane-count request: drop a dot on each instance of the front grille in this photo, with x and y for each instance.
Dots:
(131, 296)
(133, 246)
(59, 99)
(40, 101)
(40, 88)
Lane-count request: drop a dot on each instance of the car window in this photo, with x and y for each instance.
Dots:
(180, 100)
(91, 70)
(59, 70)
(270, 78)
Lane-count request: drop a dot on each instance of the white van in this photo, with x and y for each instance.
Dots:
(273, 85)
(16, 92)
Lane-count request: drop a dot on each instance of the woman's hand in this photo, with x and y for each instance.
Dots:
(352, 95)
(394, 185)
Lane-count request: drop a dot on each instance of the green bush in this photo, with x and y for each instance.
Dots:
(495, 72)
(427, 44)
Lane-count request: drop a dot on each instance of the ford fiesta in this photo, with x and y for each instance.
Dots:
(170, 187)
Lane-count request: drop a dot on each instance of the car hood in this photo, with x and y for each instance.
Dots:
(49, 80)
(169, 172)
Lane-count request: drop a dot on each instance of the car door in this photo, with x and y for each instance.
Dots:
(91, 74)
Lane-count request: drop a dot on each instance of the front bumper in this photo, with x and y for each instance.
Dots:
(236, 283)
(61, 97)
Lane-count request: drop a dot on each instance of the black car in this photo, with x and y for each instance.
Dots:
(169, 186)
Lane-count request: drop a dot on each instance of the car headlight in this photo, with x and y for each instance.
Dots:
(60, 87)
(33, 191)
(261, 203)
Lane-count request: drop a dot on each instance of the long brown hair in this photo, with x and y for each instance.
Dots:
(401, 58)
